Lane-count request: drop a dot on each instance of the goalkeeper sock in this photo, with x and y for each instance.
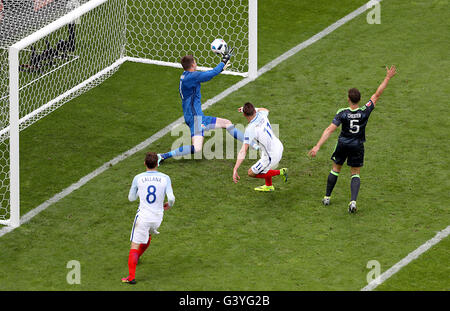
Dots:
(268, 176)
(331, 182)
(183, 150)
(237, 134)
(132, 262)
(143, 247)
(354, 186)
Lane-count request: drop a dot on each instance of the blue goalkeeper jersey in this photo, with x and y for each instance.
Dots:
(190, 90)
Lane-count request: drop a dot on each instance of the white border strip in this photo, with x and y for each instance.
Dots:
(411, 256)
(165, 130)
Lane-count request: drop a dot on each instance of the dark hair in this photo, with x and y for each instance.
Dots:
(248, 109)
(187, 61)
(151, 160)
(354, 95)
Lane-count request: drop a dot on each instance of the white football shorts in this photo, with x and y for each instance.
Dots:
(267, 162)
(143, 227)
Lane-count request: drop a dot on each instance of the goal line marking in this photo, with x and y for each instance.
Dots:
(28, 216)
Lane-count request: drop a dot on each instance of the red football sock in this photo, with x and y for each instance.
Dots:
(132, 262)
(143, 247)
(270, 173)
(268, 176)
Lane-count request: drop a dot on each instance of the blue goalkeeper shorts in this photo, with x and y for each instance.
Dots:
(199, 124)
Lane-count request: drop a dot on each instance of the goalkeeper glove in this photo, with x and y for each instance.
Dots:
(227, 55)
(226, 66)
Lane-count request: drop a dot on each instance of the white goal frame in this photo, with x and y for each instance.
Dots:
(14, 100)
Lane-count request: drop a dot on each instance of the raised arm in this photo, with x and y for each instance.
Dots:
(208, 75)
(390, 72)
(325, 135)
(263, 110)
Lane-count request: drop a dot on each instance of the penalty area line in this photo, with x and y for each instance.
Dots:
(405, 261)
(28, 216)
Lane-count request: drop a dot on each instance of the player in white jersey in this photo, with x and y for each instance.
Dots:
(151, 187)
(259, 131)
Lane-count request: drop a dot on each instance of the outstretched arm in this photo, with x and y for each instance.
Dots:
(390, 72)
(208, 75)
(325, 135)
(239, 160)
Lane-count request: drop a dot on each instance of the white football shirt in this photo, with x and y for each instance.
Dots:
(260, 131)
(151, 187)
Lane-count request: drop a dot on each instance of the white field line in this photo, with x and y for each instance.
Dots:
(24, 219)
(411, 256)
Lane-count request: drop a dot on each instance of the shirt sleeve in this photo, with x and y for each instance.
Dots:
(208, 75)
(248, 136)
(133, 194)
(169, 192)
(370, 106)
(337, 119)
(264, 113)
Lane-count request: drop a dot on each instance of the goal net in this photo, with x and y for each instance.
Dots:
(162, 31)
(51, 51)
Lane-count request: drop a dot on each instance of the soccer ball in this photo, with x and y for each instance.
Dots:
(218, 46)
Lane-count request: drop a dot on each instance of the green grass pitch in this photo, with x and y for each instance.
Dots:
(223, 236)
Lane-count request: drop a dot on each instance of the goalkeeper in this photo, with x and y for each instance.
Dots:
(189, 88)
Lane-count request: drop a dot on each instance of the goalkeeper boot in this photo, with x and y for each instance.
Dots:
(126, 280)
(160, 159)
(352, 207)
(326, 201)
(284, 174)
(265, 188)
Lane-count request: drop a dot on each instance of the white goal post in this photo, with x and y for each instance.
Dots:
(80, 49)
